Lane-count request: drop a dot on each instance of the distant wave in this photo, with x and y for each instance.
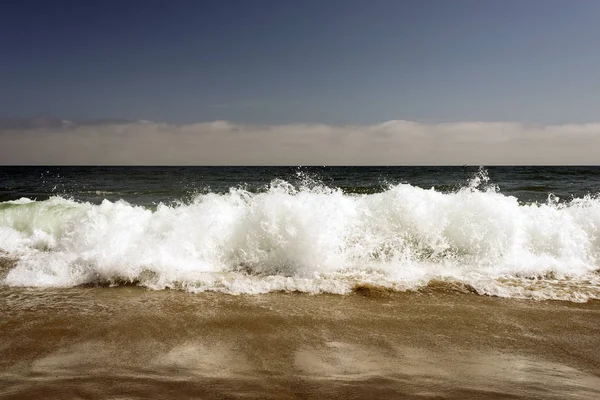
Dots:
(312, 239)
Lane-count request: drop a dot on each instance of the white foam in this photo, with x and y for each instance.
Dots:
(312, 240)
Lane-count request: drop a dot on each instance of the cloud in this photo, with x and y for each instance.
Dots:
(119, 142)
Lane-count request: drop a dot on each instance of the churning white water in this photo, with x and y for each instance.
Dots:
(314, 239)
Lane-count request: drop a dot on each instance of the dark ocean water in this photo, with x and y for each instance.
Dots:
(152, 185)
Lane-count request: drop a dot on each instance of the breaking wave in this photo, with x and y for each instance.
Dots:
(312, 239)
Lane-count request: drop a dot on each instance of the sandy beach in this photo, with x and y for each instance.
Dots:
(129, 343)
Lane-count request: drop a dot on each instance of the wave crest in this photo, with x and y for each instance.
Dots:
(311, 239)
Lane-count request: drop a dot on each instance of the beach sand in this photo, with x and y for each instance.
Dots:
(133, 343)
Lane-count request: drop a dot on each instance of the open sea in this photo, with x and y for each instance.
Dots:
(300, 282)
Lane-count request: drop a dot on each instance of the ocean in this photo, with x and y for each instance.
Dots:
(300, 282)
(505, 231)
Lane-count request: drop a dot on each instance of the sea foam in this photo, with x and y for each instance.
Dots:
(312, 239)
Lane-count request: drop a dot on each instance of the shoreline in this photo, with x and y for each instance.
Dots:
(134, 343)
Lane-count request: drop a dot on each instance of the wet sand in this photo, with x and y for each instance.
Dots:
(132, 343)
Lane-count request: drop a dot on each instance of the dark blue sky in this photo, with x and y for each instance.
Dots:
(284, 61)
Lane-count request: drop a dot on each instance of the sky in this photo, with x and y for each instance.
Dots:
(270, 67)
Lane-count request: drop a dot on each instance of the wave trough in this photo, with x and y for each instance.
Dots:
(312, 239)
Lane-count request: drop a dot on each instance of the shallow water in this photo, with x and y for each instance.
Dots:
(131, 343)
